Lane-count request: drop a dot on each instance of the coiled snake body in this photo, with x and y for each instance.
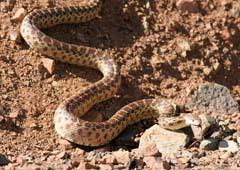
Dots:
(67, 118)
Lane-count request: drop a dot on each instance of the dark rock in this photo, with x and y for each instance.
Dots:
(4, 160)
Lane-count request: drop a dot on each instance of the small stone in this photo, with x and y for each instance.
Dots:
(4, 160)
(187, 5)
(14, 114)
(7, 5)
(86, 166)
(209, 144)
(207, 121)
(122, 156)
(228, 145)
(77, 157)
(168, 142)
(15, 36)
(207, 71)
(64, 144)
(109, 159)
(49, 64)
(105, 167)
(226, 35)
(184, 46)
(62, 155)
(33, 125)
(156, 163)
(216, 66)
(19, 15)
(150, 150)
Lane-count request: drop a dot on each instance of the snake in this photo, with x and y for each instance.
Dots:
(67, 118)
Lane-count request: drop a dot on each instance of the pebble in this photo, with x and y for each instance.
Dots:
(109, 159)
(7, 5)
(64, 144)
(49, 64)
(62, 155)
(155, 163)
(15, 114)
(207, 71)
(122, 156)
(209, 144)
(228, 145)
(19, 15)
(187, 5)
(4, 160)
(184, 46)
(86, 165)
(150, 150)
(77, 157)
(168, 142)
(212, 97)
(105, 167)
(15, 36)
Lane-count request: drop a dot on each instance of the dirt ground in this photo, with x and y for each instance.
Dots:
(162, 52)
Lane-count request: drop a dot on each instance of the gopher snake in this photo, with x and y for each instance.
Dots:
(67, 119)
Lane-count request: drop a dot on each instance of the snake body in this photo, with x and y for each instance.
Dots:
(67, 118)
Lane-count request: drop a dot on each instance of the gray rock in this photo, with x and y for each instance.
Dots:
(168, 142)
(209, 144)
(228, 145)
(4, 160)
(212, 97)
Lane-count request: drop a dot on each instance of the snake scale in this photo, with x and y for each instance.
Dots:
(67, 118)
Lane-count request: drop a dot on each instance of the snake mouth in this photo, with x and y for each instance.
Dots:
(192, 120)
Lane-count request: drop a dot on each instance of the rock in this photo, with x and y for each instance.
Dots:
(15, 36)
(184, 47)
(207, 71)
(109, 159)
(122, 157)
(207, 121)
(184, 156)
(212, 97)
(105, 167)
(228, 145)
(150, 150)
(86, 165)
(49, 64)
(226, 35)
(7, 5)
(64, 144)
(167, 142)
(187, 5)
(209, 144)
(15, 114)
(62, 155)
(4, 160)
(19, 15)
(156, 163)
(77, 157)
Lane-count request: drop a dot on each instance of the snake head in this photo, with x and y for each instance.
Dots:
(166, 108)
